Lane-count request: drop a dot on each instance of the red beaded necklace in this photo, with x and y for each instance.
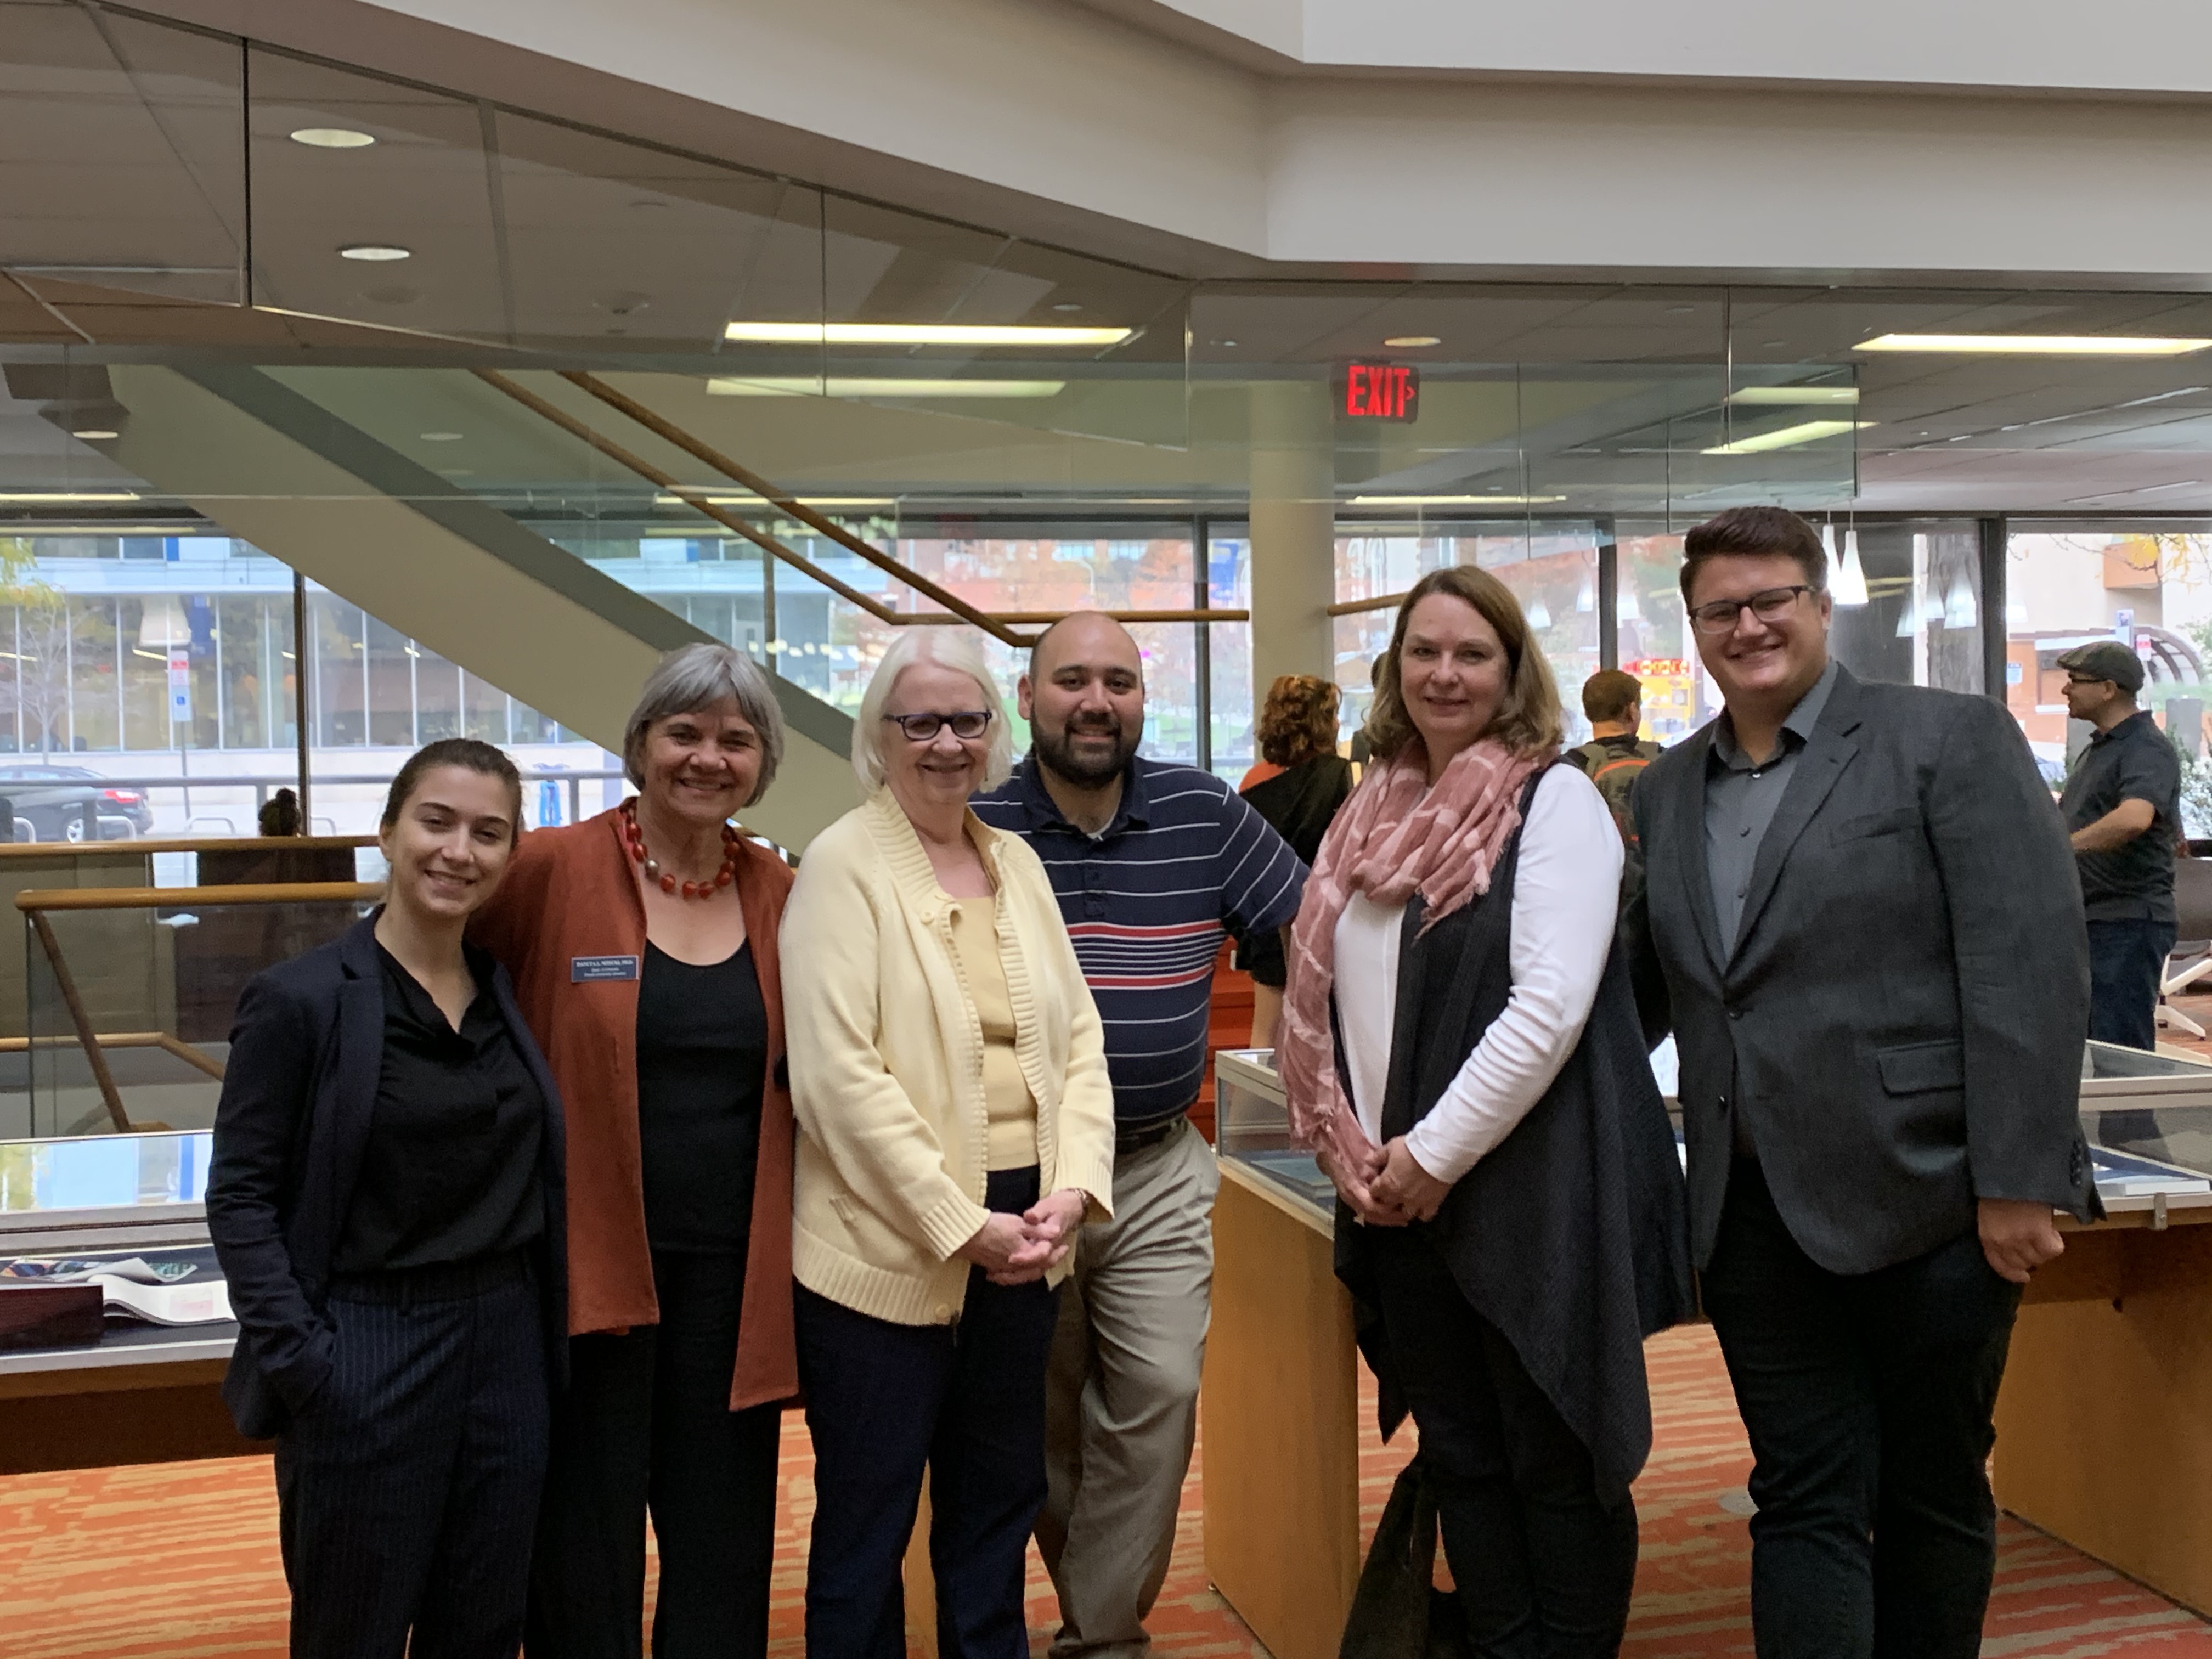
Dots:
(633, 839)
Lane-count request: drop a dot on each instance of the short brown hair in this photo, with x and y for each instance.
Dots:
(1528, 719)
(471, 756)
(1608, 695)
(1754, 533)
(1299, 720)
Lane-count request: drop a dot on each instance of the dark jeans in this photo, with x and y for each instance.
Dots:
(1544, 1566)
(966, 1398)
(1869, 1398)
(2127, 961)
(404, 1490)
(646, 1427)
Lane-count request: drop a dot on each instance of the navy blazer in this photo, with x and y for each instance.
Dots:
(306, 1056)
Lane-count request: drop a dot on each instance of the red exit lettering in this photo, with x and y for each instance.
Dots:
(1377, 392)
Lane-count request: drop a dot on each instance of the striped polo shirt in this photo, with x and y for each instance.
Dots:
(1147, 902)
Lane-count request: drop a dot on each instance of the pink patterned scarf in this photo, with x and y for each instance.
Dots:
(1396, 836)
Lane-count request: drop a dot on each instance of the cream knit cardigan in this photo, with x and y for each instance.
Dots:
(886, 1056)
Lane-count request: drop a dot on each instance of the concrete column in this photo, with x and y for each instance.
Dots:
(1293, 485)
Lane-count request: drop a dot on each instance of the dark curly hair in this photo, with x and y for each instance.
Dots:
(1299, 720)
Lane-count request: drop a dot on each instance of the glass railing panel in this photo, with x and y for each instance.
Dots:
(131, 994)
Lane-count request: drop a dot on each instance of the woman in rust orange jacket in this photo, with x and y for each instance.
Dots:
(642, 944)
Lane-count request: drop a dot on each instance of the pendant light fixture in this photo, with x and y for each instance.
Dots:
(1850, 587)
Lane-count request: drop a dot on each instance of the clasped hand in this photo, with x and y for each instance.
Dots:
(1385, 1187)
(1016, 1249)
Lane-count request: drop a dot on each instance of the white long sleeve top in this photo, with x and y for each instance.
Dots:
(1565, 898)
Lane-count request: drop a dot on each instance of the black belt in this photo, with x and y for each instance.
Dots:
(1135, 1138)
(443, 1281)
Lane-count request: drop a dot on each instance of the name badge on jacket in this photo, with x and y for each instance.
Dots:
(582, 970)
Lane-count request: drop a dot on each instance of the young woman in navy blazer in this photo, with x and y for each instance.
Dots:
(387, 1203)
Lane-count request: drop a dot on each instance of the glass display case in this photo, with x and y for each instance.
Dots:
(2148, 1119)
(133, 1205)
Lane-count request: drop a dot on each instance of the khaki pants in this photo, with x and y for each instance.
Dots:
(1122, 1394)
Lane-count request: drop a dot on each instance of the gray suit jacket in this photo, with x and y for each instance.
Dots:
(1901, 1017)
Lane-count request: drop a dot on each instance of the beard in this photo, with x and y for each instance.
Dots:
(1087, 768)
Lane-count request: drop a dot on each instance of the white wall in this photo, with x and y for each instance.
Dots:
(1063, 122)
(2125, 46)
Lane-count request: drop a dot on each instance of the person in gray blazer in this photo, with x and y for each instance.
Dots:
(1858, 915)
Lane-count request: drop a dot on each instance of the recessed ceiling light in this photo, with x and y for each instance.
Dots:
(1453, 501)
(1406, 341)
(968, 334)
(2037, 345)
(807, 386)
(1231, 344)
(441, 437)
(1795, 394)
(1680, 310)
(332, 138)
(376, 253)
(1788, 437)
(93, 435)
(1067, 305)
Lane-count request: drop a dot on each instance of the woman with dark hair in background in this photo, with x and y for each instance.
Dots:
(386, 1202)
(1298, 786)
(643, 945)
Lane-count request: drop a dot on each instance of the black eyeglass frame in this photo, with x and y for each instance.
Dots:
(1706, 619)
(935, 723)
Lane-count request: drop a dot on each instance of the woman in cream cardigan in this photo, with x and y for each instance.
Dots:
(949, 1077)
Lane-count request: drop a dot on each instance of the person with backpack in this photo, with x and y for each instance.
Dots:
(1613, 703)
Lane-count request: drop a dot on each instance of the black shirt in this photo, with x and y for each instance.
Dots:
(702, 1061)
(451, 1170)
(2134, 882)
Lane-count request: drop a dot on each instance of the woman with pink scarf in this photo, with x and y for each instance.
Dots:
(1460, 1049)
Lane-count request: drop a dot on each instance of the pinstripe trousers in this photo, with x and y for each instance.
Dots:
(407, 1491)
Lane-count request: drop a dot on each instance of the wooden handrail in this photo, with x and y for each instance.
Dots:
(1353, 607)
(110, 1095)
(35, 900)
(25, 849)
(999, 625)
(646, 470)
(698, 449)
(161, 1040)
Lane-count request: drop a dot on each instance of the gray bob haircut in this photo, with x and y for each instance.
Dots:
(958, 648)
(695, 677)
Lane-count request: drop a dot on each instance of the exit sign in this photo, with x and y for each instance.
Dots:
(1377, 392)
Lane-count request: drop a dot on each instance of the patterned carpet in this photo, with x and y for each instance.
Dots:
(178, 1561)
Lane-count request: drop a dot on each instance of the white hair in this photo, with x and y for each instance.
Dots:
(948, 647)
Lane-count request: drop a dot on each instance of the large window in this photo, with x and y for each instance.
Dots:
(161, 670)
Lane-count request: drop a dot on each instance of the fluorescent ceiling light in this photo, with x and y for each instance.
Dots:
(1453, 501)
(807, 386)
(1795, 394)
(332, 138)
(695, 497)
(94, 434)
(2037, 345)
(376, 253)
(970, 334)
(43, 496)
(1788, 437)
(1406, 341)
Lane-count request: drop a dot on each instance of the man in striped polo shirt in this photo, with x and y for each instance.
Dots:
(1153, 864)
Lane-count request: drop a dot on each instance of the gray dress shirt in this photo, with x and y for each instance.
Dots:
(1741, 799)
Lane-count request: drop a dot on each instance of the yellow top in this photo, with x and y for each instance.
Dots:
(1011, 1142)
(887, 1064)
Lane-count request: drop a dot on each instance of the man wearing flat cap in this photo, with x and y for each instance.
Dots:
(2123, 806)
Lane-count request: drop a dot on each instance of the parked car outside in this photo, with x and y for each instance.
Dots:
(72, 803)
